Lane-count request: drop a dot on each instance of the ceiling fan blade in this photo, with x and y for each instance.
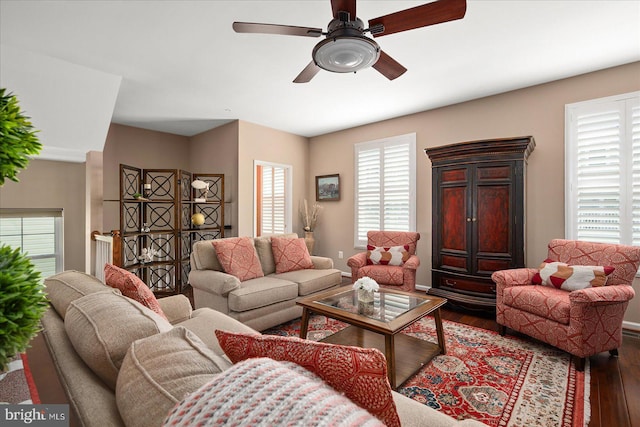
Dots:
(389, 67)
(308, 73)
(344, 6)
(286, 30)
(420, 16)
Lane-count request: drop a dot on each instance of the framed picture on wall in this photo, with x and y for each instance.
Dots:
(327, 188)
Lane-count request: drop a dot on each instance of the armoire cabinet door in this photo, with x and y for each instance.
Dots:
(493, 217)
(455, 209)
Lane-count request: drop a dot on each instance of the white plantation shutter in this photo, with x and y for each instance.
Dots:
(38, 233)
(384, 186)
(603, 170)
(635, 171)
(273, 200)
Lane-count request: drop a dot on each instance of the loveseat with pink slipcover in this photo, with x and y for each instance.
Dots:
(582, 322)
(402, 275)
(259, 296)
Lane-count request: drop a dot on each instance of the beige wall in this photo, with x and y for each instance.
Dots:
(261, 143)
(142, 149)
(216, 151)
(536, 111)
(54, 185)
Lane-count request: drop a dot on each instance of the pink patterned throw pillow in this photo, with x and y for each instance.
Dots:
(391, 255)
(132, 287)
(238, 257)
(359, 373)
(571, 277)
(290, 254)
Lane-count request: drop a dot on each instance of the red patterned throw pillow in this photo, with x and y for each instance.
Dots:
(238, 257)
(132, 287)
(571, 277)
(391, 255)
(290, 254)
(359, 373)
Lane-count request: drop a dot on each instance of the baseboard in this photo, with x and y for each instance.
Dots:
(631, 329)
(345, 274)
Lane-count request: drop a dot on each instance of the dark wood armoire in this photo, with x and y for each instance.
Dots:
(478, 217)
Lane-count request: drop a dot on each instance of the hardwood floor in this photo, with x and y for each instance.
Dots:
(615, 381)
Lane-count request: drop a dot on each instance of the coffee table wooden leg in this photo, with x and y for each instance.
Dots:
(440, 331)
(304, 324)
(390, 354)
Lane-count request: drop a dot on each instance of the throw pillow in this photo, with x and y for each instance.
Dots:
(290, 254)
(391, 255)
(359, 373)
(571, 277)
(238, 257)
(131, 286)
(264, 392)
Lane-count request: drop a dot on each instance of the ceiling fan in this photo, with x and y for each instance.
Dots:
(346, 49)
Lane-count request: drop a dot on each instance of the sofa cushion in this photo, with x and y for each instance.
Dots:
(131, 286)
(102, 326)
(159, 371)
(238, 257)
(390, 255)
(290, 254)
(383, 274)
(544, 301)
(62, 288)
(571, 277)
(359, 373)
(312, 281)
(204, 256)
(261, 292)
(265, 392)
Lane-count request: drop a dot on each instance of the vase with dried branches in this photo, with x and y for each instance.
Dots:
(309, 217)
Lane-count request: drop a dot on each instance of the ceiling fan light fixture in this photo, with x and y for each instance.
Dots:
(346, 54)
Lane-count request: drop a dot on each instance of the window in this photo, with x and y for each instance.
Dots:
(385, 186)
(38, 234)
(603, 170)
(273, 196)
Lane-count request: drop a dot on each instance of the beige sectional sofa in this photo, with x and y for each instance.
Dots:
(262, 302)
(122, 364)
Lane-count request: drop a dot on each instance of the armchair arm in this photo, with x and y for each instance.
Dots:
(177, 308)
(321, 263)
(612, 294)
(358, 260)
(412, 263)
(513, 277)
(214, 282)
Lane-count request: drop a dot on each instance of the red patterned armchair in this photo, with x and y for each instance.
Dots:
(582, 322)
(401, 277)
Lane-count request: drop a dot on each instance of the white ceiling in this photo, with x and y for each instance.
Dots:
(184, 70)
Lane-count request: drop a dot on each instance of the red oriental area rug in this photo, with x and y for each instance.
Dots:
(500, 381)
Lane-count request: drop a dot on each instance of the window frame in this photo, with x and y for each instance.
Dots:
(624, 103)
(288, 195)
(380, 144)
(58, 230)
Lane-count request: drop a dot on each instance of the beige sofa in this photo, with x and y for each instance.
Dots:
(122, 364)
(263, 302)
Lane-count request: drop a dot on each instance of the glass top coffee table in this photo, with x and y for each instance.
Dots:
(379, 325)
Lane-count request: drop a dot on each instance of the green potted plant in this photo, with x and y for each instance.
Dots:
(22, 303)
(22, 297)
